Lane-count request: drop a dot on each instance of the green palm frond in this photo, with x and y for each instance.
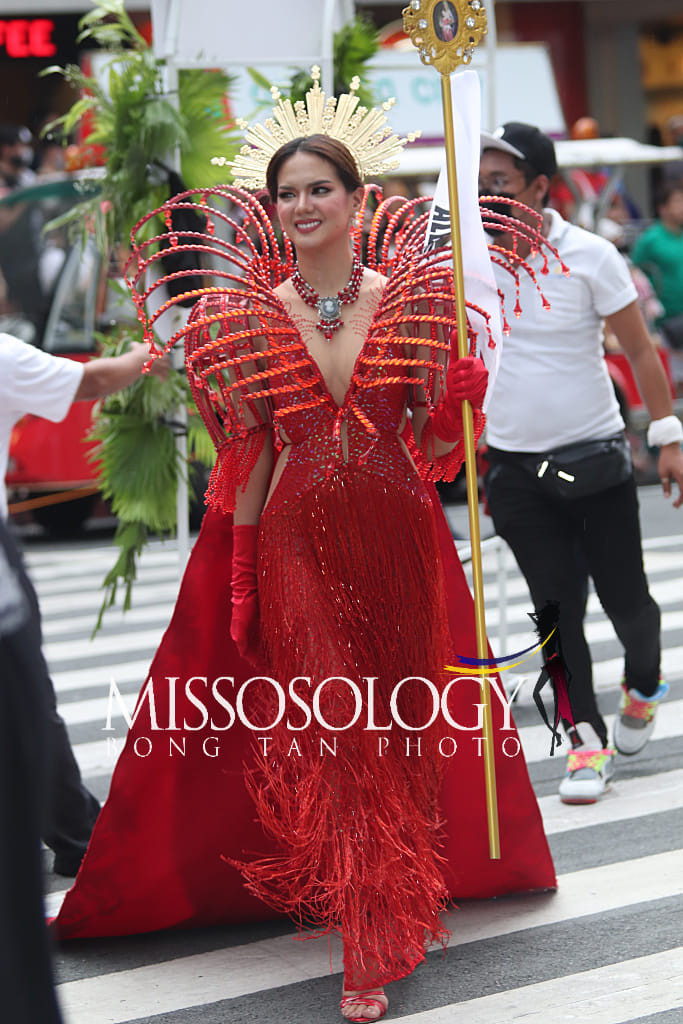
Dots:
(354, 44)
(138, 463)
(202, 103)
(139, 127)
(110, 27)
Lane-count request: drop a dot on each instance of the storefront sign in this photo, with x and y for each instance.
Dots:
(27, 37)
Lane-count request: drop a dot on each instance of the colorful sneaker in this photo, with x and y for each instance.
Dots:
(588, 776)
(636, 719)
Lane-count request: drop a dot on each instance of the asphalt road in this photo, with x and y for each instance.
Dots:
(606, 949)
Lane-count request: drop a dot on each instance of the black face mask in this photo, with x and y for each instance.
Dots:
(492, 206)
(17, 161)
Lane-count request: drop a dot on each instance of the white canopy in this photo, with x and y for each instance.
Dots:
(589, 153)
(425, 161)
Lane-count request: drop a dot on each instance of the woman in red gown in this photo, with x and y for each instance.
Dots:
(370, 804)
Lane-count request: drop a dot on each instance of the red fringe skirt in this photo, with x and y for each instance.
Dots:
(352, 597)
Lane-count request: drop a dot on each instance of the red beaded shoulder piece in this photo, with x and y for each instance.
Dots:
(244, 356)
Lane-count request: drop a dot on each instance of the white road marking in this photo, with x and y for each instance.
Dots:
(174, 985)
(615, 994)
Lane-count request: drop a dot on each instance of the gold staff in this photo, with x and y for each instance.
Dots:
(445, 33)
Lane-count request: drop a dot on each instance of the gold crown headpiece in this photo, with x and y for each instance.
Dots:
(364, 132)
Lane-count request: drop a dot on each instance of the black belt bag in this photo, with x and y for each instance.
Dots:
(577, 470)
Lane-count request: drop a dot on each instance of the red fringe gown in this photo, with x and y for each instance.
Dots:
(341, 825)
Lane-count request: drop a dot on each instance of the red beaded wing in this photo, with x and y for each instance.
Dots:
(247, 364)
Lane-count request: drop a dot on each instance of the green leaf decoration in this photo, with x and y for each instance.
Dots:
(131, 539)
(139, 127)
(354, 44)
(202, 103)
(138, 464)
(260, 79)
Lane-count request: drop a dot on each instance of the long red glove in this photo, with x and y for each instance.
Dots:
(244, 624)
(466, 378)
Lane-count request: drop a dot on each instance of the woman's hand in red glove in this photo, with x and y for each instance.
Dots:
(245, 622)
(466, 380)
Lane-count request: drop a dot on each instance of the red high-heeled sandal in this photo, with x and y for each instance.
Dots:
(367, 998)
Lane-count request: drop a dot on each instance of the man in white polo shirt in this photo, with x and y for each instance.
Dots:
(560, 489)
(34, 382)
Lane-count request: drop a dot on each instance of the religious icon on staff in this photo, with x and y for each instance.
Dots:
(445, 21)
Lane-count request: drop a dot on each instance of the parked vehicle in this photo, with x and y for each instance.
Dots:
(59, 295)
(54, 294)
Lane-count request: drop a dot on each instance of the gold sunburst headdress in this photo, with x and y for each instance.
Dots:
(365, 133)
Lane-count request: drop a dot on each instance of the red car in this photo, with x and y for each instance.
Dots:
(53, 294)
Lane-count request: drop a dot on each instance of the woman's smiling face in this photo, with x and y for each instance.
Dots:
(313, 205)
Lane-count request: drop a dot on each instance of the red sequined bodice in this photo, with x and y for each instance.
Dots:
(319, 435)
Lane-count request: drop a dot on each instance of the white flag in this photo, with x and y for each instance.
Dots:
(480, 285)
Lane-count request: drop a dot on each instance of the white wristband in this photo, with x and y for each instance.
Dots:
(668, 430)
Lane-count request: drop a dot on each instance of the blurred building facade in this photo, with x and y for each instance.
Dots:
(620, 61)
(35, 34)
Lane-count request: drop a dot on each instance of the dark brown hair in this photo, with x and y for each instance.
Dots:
(324, 146)
(665, 191)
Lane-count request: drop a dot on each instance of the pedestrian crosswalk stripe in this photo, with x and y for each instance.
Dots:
(626, 800)
(69, 585)
(43, 564)
(153, 607)
(99, 677)
(78, 583)
(665, 592)
(615, 994)
(171, 985)
(130, 640)
(95, 710)
(535, 738)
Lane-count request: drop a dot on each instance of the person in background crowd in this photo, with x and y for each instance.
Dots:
(560, 486)
(672, 173)
(16, 156)
(659, 252)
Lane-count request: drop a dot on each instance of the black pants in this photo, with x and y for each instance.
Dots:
(26, 984)
(558, 541)
(69, 809)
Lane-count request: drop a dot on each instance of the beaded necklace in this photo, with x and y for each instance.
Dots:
(329, 307)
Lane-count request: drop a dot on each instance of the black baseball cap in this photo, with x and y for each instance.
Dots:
(526, 143)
